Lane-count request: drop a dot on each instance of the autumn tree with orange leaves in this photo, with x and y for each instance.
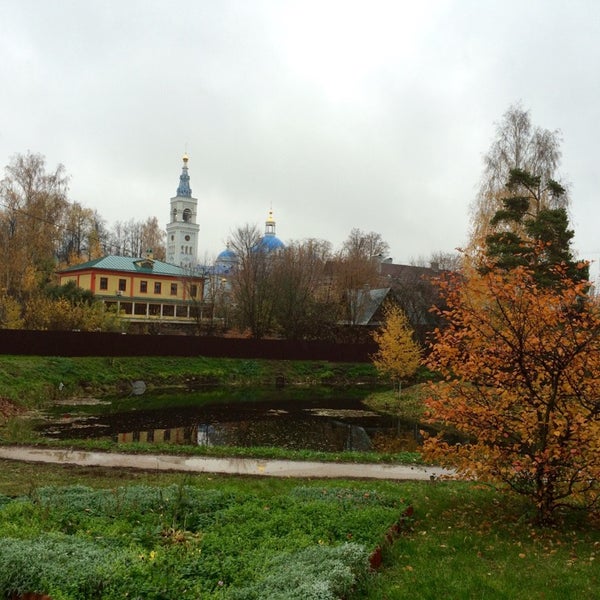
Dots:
(521, 367)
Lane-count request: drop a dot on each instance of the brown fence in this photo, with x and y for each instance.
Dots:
(76, 343)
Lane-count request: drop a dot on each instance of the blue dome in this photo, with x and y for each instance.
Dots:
(270, 243)
(227, 256)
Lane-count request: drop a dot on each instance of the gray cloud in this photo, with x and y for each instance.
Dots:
(337, 114)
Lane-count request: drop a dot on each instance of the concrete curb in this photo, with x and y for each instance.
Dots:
(234, 466)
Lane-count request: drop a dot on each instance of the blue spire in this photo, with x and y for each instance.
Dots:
(184, 188)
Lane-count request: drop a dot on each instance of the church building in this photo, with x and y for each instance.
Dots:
(183, 228)
(144, 291)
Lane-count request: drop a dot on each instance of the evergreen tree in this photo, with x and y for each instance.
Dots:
(530, 234)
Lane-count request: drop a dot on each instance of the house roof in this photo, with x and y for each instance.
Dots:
(129, 264)
(368, 302)
(406, 272)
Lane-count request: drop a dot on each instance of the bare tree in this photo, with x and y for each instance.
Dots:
(77, 227)
(116, 240)
(153, 238)
(34, 202)
(135, 238)
(363, 245)
(355, 269)
(300, 310)
(517, 145)
(99, 238)
(252, 289)
(440, 261)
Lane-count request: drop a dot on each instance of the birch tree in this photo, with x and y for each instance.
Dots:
(398, 355)
(34, 202)
(518, 144)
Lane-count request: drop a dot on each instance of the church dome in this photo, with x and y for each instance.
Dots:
(227, 255)
(269, 243)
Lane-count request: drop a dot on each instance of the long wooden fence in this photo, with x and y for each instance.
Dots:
(79, 343)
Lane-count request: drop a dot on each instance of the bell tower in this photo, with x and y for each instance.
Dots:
(182, 229)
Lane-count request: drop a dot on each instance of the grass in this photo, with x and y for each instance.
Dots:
(406, 405)
(26, 436)
(470, 541)
(199, 537)
(465, 541)
(36, 381)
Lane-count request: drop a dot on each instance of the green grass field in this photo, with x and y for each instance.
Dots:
(464, 541)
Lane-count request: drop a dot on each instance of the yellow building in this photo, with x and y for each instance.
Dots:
(141, 290)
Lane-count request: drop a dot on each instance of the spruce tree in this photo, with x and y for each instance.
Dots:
(529, 234)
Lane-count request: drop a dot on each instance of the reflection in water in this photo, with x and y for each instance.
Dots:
(331, 425)
(331, 437)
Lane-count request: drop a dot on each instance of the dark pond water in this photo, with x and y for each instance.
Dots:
(327, 424)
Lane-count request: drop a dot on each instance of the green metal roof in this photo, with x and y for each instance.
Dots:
(130, 264)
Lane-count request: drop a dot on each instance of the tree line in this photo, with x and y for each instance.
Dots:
(303, 291)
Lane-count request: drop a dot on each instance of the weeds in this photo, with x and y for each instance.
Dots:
(183, 541)
(465, 539)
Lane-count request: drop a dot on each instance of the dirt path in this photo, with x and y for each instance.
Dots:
(235, 466)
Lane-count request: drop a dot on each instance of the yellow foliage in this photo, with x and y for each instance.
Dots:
(46, 313)
(10, 313)
(399, 355)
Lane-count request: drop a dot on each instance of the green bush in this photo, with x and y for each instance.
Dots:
(315, 573)
(56, 564)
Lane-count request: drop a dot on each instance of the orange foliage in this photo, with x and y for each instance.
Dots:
(522, 382)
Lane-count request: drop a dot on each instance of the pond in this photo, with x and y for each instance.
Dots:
(330, 424)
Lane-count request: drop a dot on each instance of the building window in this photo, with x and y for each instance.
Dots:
(157, 287)
(143, 287)
(173, 289)
(122, 285)
(103, 283)
(193, 290)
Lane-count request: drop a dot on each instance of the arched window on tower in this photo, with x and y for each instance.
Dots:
(187, 215)
(174, 215)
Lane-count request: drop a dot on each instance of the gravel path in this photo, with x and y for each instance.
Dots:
(235, 466)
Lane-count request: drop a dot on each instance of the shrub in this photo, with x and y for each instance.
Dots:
(315, 573)
(73, 567)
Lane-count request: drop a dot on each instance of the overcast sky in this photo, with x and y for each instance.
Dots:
(337, 114)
